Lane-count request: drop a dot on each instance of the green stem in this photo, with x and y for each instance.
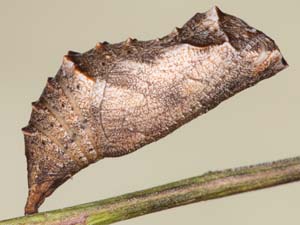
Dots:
(208, 186)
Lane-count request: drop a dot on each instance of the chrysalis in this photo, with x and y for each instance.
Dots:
(115, 98)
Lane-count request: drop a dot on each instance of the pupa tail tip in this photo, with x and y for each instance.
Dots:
(36, 196)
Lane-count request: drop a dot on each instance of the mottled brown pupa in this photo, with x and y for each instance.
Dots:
(115, 98)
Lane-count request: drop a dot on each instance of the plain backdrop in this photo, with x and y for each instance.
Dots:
(257, 125)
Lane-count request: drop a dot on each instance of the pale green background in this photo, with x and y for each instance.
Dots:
(260, 124)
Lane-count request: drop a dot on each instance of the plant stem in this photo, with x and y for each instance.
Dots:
(211, 185)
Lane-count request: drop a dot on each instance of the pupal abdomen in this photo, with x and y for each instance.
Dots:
(115, 98)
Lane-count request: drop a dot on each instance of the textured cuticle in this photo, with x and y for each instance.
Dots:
(116, 98)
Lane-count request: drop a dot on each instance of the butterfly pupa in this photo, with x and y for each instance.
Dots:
(116, 98)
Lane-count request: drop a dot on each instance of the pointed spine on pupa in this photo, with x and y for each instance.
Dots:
(176, 31)
(101, 46)
(130, 41)
(69, 66)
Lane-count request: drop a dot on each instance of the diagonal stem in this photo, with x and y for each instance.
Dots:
(211, 185)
